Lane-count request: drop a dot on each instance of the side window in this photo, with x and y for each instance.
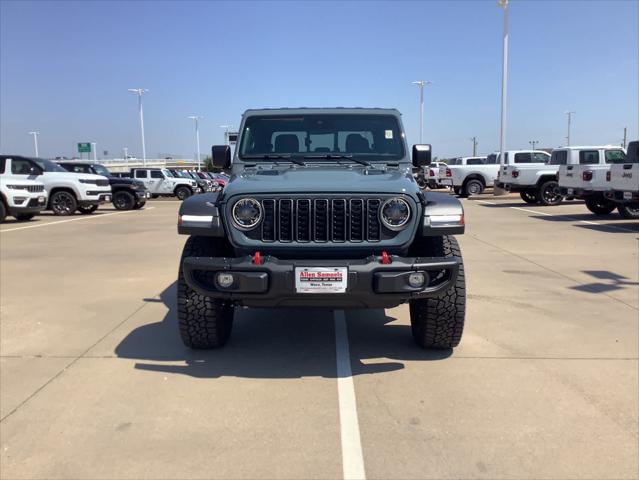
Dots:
(615, 156)
(523, 158)
(474, 161)
(588, 157)
(3, 162)
(140, 174)
(156, 174)
(20, 167)
(540, 157)
(559, 157)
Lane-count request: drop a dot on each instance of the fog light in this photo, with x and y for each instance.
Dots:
(224, 280)
(416, 279)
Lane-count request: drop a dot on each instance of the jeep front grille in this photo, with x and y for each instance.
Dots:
(102, 183)
(321, 220)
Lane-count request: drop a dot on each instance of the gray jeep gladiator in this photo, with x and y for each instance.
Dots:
(321, 210)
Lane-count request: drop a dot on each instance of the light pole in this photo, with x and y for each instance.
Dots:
(196, 119)
(533, 143)
(570, 114)
(504, 82)
(94, 146)
(421, 84)
(35, 141)
(140, 92)
(126, 155)
(475, 143)
(226, 132)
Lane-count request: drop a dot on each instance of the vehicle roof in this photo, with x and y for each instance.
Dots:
(588, 147)
(316, 110)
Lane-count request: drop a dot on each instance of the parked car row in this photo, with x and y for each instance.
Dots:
(31, 185)
(605, 177)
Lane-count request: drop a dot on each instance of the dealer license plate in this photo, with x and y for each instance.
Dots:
(570, 191)
(321, 279)
(107, 198)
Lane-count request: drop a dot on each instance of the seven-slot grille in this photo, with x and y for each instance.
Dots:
(34, 188)
(321, 220)
(102, 183)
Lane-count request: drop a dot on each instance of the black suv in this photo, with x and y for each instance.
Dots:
(128, 194)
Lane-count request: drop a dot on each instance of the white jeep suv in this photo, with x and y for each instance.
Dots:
(67, 191)
(20, 198)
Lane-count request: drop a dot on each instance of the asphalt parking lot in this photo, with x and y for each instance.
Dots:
(95, 382)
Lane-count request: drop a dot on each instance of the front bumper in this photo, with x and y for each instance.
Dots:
(96, 198)
(32, 205)
(370, 284)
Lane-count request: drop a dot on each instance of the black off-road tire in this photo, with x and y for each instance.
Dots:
(457, 190)
(63, 203)
(599, 205)
(529, 197)
(154, 196)
(204, 322)
(3, 211)
(549, 193)
(87, 210)
(473, 187)
(139, 205)
(628, 212)
(123, 200)
(23, 217)
(182, 193)
(439, 322)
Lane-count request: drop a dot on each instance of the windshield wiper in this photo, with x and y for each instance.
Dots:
(275, 156)
(341, 156)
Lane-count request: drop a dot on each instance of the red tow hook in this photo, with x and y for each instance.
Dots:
(385, 258)
(257, 258)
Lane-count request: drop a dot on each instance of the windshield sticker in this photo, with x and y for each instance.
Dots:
(388, 134)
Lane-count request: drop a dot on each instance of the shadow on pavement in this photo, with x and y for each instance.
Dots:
(610, 281)
(275, 343)
(619, 227)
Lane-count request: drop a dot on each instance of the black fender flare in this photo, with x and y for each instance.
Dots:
(201, 215)
(437, 206)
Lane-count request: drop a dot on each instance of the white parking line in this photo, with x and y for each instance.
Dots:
(352, 458)
(486, 202)
(88, 217)
(534, 211)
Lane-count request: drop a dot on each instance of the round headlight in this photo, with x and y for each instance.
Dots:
(395, 213)
(246, 213)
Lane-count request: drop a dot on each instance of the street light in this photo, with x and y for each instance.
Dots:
(226, 132)
(126, 155)
(504, 82)
(421, 84)
(35, 141)
(140, 92)
(533, 143)
(570, 114)
(196, 119)
(94, 146)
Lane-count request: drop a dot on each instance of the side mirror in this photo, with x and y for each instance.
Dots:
(422, 155)
(221, 155)
(35, 171)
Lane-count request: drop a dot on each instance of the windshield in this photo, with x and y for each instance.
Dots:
(319, 135)
(167, 173)
(49, 166)
(101, 170)
(180, 174)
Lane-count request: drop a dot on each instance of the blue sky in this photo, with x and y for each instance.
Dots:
(65, 68)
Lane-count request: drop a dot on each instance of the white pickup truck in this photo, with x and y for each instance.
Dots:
(468, 175)
(532, 174)
(21, 198)
(162, 183)
(623, 183)
(582, 174)
(67, 191)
